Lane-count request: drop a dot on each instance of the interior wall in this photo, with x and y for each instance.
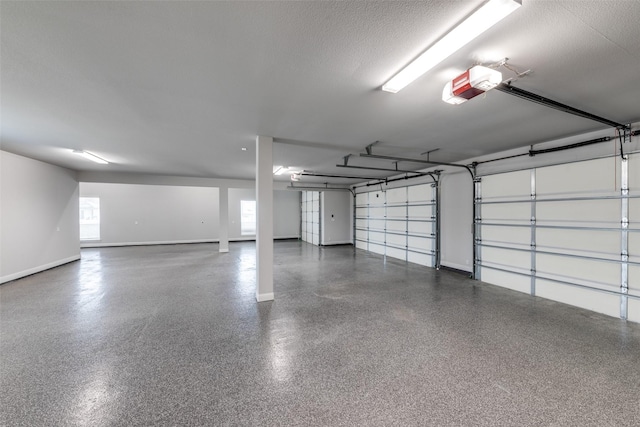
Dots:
(133, 214)
(286, 213)
(38, 216)
(336, 217)
(456, 221)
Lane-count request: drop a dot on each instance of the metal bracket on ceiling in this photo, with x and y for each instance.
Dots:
(370, 146)
(428, 153)
(346, 159)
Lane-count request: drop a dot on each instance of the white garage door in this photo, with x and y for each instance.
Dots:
(399, 223)
(568, 232)
(310, 217)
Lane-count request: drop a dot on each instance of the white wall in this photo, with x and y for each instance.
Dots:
(336, 217)
(134, 214)
(38, 216)
(148, 214)
(286, 213)
(456, 212)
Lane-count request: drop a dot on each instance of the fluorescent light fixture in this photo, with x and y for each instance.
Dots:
(279, 170)
(91, 157)
(482, 19)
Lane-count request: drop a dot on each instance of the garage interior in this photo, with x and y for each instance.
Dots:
(275, 231)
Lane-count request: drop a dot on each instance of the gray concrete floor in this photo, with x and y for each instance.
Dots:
(172, 335)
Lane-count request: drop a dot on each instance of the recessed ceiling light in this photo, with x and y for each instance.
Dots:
(244, 148)
(91, 157)
(484, 18)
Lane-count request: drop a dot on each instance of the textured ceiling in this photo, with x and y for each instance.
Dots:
(178, 88)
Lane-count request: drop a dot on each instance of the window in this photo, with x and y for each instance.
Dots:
(247, 217)
(89, 218)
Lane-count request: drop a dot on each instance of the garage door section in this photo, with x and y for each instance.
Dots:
(564, 232)
(310, 217)
(399, 222)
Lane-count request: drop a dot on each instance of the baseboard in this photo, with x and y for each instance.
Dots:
(40, 268)
(88, 244)
(264, 297)
(162, 242)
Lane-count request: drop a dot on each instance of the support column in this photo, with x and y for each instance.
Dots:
(264, 214)
(223, 206)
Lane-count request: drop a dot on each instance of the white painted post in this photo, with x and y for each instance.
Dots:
(223, 206)
(264, 214)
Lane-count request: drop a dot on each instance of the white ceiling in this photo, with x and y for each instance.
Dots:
(178, 88)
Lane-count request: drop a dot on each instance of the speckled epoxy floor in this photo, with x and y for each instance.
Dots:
(172, 335)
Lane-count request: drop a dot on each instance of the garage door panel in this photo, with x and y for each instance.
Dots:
(376, 237)
(588, 243)
(375, 248)
(376, 212)
(634, 278)
(507, 257)
(587, 177)
(518, 212)
(397, 212)
(397, 226)
(396, 240)
(590, 299)
(634, 310)
(512, 281)
(606, 212)
(420, 193)
(420, 212)
(420, 243)
(418, 227)
(510, 235)
(396, 253)
(362, 234)
(418, 258)
(397, 195)
(376, 224)
(579, 270)
(376, 198)
(507, 185)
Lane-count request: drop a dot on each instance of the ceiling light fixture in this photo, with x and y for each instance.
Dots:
(482, 19)
(244, 148)
(91, 157)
